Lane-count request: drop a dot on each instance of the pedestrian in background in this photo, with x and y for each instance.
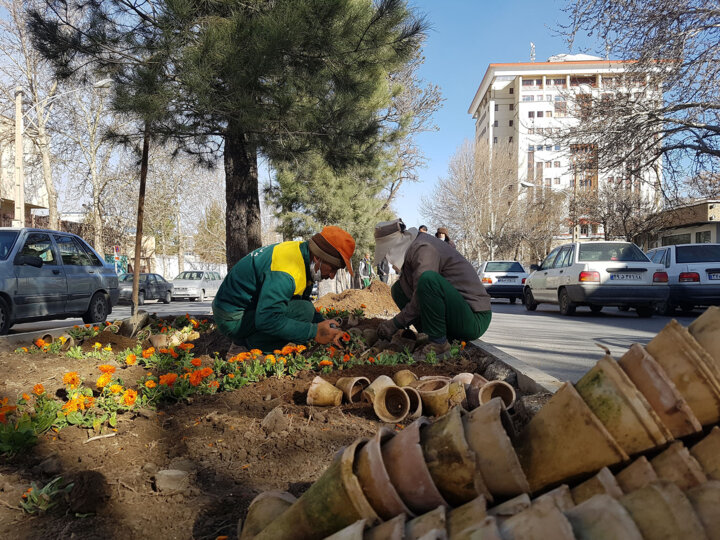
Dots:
(383, 270)
(442, 234)
(365, 271)
(422, 228)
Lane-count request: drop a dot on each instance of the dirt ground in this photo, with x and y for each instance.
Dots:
(220, 439)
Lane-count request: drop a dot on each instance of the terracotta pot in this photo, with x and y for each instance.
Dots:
(690, 368)
(47, 338)
(434, 378)
(390, 530)
(370, 336)
(472, 392)
(415, 402)
(486, 530)
(404, 377)
(465, 378)
(559, 498)
(429, 525)
(391, 404)
(661, 510)
(499, 389)
(510, 507)
(263, 509)
(623, 410)
(439, 396)
(677, 465)
(537, 523)
(383, 381)
(603, 483)
(653, 383)
(565, 439)
(405, 464)
(466, 517)
(602, 517)
(333, 502)
(705, 500)
(706, 331)
(69, 344)
(351, 532)
(323, 394)
(450, 460)
(352, 387)
(636, 475)
(374, 479)
(486, 431)
(707, 453)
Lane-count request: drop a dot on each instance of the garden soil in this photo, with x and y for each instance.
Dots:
(375, 301)
(224, 441)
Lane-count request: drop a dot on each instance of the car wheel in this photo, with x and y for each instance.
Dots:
(595, 308)
(512, 299)
(529, 300)
(97, 310)
(168, 298)
(664, 308)
(5, 317)
(623, 308)
(645, 311)
(566, 306)
(201, 298)
(141, 298)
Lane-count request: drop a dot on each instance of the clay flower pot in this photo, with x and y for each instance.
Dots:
(707, 453)
(369, 393)
(705, 500)
(429, 525)
(636, 475)
(352, 387)
(404, 377)
(509, 508)
(602, 517)
(486, 431)
(263, 509)
(374, 479)
(565, 439)
(450, 460)
(660, 510)
(690, 368)
(559, 498)
(69, 344)
(467, 517)
(405, 464)
(623, 410)
(415, 402)
(499, 389)
(603, 483)
(677, 465)
(351, 532)
(390, 530)
(391, 404)
(472, 382)
(537, 523)
(486, 530)
(333, 502)
(439, 396)
(323, 394)
(653, 383)
(706, 331)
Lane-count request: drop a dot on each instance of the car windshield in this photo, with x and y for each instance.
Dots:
(190, 275)
(592, 251)
(7, 240)
(503, 266)
(129, 277)
(698, 253)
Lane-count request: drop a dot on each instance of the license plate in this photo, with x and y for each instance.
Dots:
(506, 280)
(626, 277)
(713, 276)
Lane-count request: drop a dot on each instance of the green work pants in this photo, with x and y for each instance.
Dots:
(240, 326)
(443, 310)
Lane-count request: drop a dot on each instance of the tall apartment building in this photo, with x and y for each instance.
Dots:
(524, 104)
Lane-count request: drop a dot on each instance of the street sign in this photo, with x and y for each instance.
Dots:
(116, 249)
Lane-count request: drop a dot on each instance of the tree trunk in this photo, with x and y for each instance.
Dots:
(96, 217)
(137, 261)
(242, 218)
(44, 147)
(181, 243)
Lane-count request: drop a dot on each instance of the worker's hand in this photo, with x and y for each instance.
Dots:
(328, 331)
(387, 329)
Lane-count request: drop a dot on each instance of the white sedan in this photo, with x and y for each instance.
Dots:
(503, 279)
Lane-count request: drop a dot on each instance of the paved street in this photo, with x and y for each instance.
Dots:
(565, 347)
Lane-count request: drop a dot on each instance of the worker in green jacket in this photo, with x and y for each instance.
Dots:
(263, 303)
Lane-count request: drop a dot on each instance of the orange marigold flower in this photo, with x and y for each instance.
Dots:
(346, 336)
(371, 359)
(346, 358)
(107, 368)
(96, 328)
(129, 397)
(173, 353)
(363, 306)
(103, 380)
(87, 326)
(150, 383)
(26, 397)
(288, 349)
(214, 384)
(186, 346)
(206, 371)
(72, 379)
(462, 344)
(231, 375)
(38, 389)
(163, 329)
(196, 362)
(40, 343)
(147, 353)
(332, 350)
(325, 363)
(24, 349)
(194, 323)
(116, 389)
(301, 348)
(277, 352)
(270, 358)
(255, 352)
(196, 378)
(168, 379)
(130, 359)
(164, 351)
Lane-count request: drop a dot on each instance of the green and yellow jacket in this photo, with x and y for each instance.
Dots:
(264, 281)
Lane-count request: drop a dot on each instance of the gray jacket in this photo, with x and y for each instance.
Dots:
(427, 253)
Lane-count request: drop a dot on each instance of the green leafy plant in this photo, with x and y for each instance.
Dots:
(38, 500)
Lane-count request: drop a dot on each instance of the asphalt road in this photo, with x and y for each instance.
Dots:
(566, 347)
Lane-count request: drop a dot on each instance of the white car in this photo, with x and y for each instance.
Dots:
(196, 285)
(503, 279)
(597, 274)
(693, 275)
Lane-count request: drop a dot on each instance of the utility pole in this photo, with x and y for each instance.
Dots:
(19, 216)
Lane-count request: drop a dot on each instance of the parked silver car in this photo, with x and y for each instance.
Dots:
(503, 279)
(151, 287)
(48, 274)
(196, 284)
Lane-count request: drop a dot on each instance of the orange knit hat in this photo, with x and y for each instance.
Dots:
(340, 243)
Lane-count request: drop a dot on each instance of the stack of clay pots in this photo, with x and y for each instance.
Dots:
(434, 480)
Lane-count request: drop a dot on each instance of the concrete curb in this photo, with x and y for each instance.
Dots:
(530, 379)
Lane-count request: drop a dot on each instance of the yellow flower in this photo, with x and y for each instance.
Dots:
(72, 379)
(62, 339)
(129, 397)
(130, 359)
(150, 384)
(116, 389)
(107, 348)
(103, 380)
(97, 345)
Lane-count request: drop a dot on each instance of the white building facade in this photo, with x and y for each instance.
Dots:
(525, 104)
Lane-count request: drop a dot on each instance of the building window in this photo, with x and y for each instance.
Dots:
(548, 182)
(548, 164)
(510, 139)
(527, 82)
(539, 114)
(495, 123)
(557, 147)
(584, 230)
(548, 147)
(676, 239)
(531, 114)
(539, 131)
(512, 106)
(548, 114)
(495, 140)
(531, 148)
(510, 123)
(528, 98)
(702, 237)
(559, 82)
(538, 82)
(560, 109)
(531, 131)
(512, 90)
(497, 107)
(556, 164)
(556, 181)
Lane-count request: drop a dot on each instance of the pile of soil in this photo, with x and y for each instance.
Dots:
(376, 300)
(116, 341)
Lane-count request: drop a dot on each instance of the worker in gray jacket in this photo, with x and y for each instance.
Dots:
(439, 291)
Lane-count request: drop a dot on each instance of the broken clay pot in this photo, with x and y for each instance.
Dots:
(263, 509)
(677, 465)
(537, 523)
(636, 475)
(500, 389)
(352, 387)
(404, 377)
(707, 453)
(323, 394)
(393, 529)
(438, 396)
(705, 500)
(603, 483)
(706, 331)
(415, 402)
(368, 395)
(602, 517)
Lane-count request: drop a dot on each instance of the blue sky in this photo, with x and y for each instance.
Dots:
(466, 36)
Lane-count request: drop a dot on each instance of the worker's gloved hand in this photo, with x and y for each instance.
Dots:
(328, 331)
(387, 329)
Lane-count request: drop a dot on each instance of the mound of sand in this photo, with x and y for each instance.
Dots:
(376, 300)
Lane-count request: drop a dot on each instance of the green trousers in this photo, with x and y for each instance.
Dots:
(443, 310)
(240, 326)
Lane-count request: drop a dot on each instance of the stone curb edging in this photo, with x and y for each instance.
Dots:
(531, 380)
